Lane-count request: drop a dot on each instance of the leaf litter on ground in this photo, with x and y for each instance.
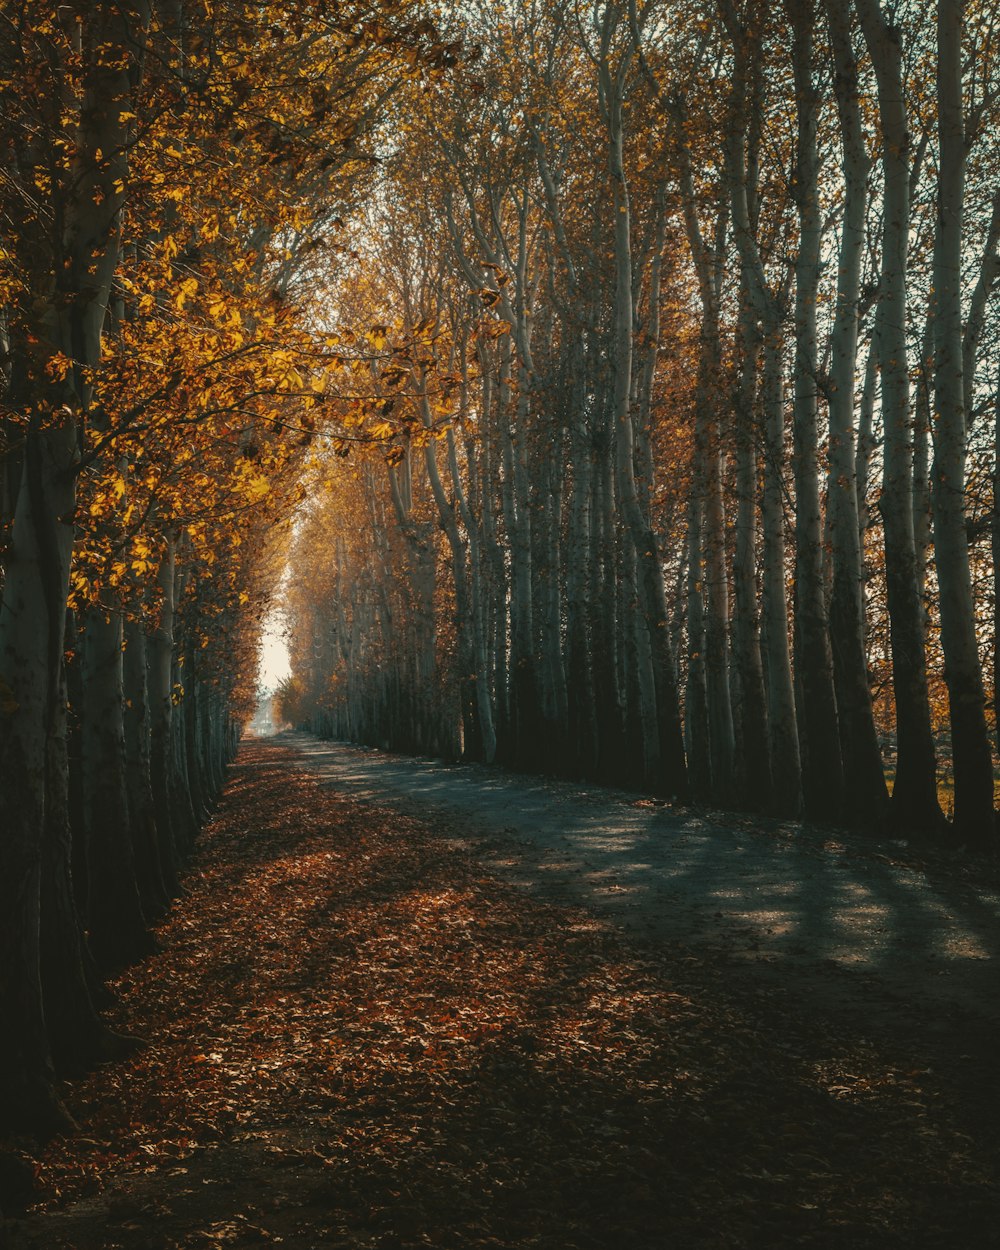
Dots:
(357, 1037)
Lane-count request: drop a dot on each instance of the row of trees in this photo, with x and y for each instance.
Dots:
(677, 456)
(170, 175)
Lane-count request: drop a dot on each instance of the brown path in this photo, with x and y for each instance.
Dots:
(921, 933)
(362, 1037)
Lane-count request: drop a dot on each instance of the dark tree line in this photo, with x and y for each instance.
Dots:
(670, 451)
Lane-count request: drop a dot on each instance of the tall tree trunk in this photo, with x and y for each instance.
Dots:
(640, 532)
(970, 744)
(823, 778)
(697, 736)
(754, 782)
(786, 768)
(914, 795)
(769, 307)
(80, 258)
(866, 797)
(31, 717)
(141, 805)
(159, 676)
(115, 920)
(610, 715)
(579, 582)
(475, 623)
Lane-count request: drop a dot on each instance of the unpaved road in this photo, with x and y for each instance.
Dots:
(362, 1035)
(852, 925)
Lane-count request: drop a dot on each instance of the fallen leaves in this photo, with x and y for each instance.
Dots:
(358, 1039)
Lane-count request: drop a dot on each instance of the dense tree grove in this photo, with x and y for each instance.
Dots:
(169, 176)
(668, 456)
(612, 387)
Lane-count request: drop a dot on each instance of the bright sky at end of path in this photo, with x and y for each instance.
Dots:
(274, 662)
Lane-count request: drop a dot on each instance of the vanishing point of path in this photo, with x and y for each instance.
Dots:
(403, 1005)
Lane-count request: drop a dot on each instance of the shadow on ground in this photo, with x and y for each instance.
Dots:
(362, 1036)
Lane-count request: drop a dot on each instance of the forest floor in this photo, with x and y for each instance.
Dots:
(404, 1005)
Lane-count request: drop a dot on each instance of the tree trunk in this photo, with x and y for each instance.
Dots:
(914, 804)
(823, 778)
(141, 805)
(78, 257)
(866, 797)
(32, 619)
(970, 744)
(754, 781)
(579, 580)
(159, 676)
(649, 566)
(115, 921)
(79, 1037)
(697, 738)
(785, 761)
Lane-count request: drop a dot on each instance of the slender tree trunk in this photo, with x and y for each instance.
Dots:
(754, 781)
(914, 795)
(769, 306)
(579, 578)
(823, 778)
(610, 712)
(115, 920)
(697, 738)
(638, 528)
(141, 805)
(970, 744)
(866, 797)
(785, 761)
(469, 556)
(159, 676)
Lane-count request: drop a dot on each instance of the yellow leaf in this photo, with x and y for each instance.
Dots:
(188, 288)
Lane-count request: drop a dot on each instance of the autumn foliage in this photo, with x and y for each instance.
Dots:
(670, 432)
(604, 390)
(172, 180)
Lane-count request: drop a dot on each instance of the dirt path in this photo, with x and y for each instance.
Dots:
(874, 941)
(921, 934)
(372, 1028)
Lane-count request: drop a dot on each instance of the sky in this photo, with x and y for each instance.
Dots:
(274, 666)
